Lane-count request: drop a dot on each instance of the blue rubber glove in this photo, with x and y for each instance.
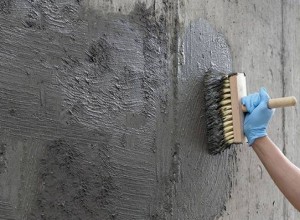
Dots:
(258, 116)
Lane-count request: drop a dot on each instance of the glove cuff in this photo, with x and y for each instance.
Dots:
(256, 134)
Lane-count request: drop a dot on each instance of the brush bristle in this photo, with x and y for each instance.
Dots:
(218, 112)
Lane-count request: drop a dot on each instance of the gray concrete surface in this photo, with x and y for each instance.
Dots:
(101, 107)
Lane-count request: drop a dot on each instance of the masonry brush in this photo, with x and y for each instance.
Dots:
(224, 111)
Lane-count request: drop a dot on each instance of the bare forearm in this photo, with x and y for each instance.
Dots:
(284, 173)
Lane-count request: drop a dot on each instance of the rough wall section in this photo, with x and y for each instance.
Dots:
(81, 94)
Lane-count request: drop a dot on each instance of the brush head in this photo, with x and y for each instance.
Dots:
(224, 113)
(218, 111)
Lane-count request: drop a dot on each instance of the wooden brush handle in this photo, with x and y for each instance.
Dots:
(282, 102)
(278, 102)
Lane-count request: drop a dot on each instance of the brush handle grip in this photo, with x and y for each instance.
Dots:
(278, 102)
(282, 102)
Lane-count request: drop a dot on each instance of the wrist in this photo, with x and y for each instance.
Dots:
(260, 142)
(265, 148)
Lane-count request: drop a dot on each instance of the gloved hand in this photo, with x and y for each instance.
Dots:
(258, 116)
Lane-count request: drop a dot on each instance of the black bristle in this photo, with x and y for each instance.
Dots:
(213, 85)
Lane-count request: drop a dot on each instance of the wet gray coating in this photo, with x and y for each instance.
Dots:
(209, 176)
(96, 121)
(80, 98)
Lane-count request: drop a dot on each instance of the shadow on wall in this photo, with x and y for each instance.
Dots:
(88, 116)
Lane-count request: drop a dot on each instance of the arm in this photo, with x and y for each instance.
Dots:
(284, 173)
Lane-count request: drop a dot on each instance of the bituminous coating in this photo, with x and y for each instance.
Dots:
(206, 179)
(81, 94)
(88, 115)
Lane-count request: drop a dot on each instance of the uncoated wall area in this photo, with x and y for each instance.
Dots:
(102, 113)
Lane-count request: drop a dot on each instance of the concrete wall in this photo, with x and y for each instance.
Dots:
(102, 114)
